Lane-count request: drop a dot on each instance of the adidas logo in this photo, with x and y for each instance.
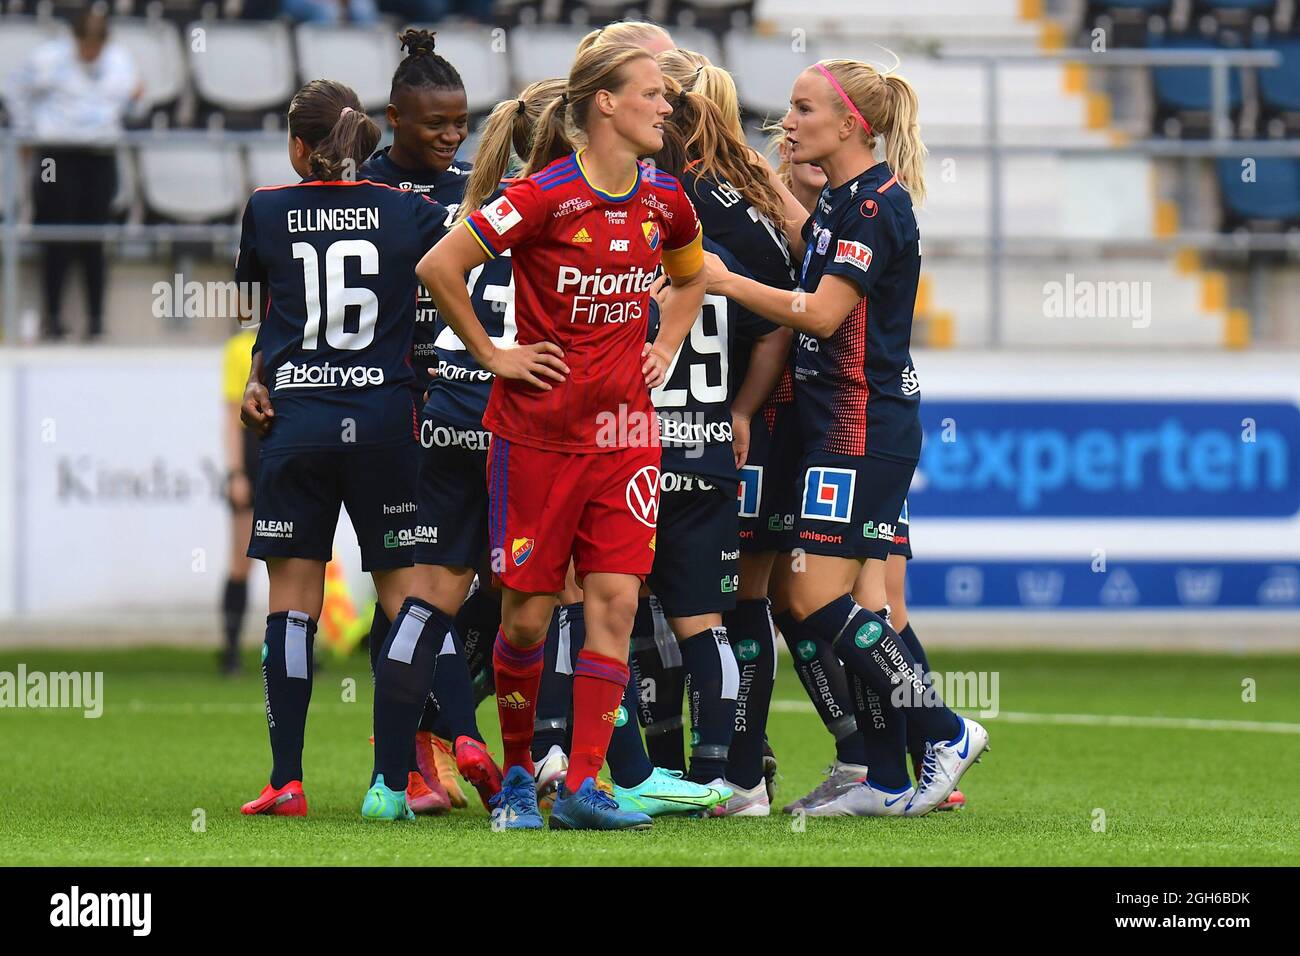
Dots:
(514, 700)
(581, 236)
(611, 717)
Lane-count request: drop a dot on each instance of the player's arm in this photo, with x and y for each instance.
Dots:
(794, 215)
(255, 411)
(767, 360)
(443, 270)
(817, 313)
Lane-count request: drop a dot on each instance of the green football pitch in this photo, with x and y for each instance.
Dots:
(1097, 759)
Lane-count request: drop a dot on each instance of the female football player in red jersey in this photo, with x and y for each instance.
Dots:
(857, 398)
(574, 462)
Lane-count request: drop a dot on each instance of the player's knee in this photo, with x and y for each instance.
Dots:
(618, 611)
(527, 625)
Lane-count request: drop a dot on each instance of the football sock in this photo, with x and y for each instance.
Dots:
(628, 763)
(598, 685)
(555, 693)
(872, 650)
(753, 639)
(712, 680)
(380, 625)
(477, 622)
(659, 686)
(517, 671)
(915, 739)
(403, 677)
(286, 679)
(234, 602)
(883, 730)
(827, 686)
(451, 708)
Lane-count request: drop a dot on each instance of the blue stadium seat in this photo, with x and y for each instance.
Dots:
(1279, 88)
(1125, 21)
(1184, 94)
(1271, 200)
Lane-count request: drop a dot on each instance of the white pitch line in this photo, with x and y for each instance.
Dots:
(1099, 720)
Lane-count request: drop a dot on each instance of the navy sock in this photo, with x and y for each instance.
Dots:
(656, 667)
(403, 679)
(555, 693)
(826, 685)
(477, 622)
(753, 639)
(871, 649)
(712, 680)
(286, 681)
(883, 730)
(626, 756)
(452, 701)
(380, 625)
(234, 602)
(915, 739)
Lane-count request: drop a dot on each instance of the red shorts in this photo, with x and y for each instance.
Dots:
(545, 507)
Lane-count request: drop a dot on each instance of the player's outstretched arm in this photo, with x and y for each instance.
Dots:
(817, 313)
(443, 270)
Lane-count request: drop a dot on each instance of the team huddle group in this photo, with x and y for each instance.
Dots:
(609, 411)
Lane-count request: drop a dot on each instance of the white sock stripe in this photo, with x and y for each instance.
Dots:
(847, 621)
(563, 663)
(771, 628)
(730, 669)
(295, 645)
(448, 645)
(408, 635)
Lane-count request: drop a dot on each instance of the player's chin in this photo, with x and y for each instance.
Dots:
(653, 142)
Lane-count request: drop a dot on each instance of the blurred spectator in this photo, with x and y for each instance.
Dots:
(360, 12)
(70, 96)
(431, 11)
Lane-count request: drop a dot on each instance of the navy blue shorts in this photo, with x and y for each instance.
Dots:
(903, 535)
(849, 506)
(697, 548)
(768, 494)
(452, 498)
(296, 504)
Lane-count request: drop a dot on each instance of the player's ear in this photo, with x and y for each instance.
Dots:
(605, 102)
(392, 115)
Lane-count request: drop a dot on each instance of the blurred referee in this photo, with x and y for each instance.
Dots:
(70, 96)
(242, 456)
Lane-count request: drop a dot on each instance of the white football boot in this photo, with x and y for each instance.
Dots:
(549, 773)
(742, 802)
(864, 800)
(840, 778)
(944, 764)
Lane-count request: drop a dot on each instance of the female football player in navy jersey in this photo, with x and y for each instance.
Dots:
(430, 118)
(857, 399)
(330, 389)
(574, 463)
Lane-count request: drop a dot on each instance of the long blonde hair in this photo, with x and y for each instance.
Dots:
(629, 32)
(888, 102)
(698, 138)
(693, 71)
(507, 135)
(598, 67)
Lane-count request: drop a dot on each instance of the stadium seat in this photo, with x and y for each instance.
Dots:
(1184, 94)
(542, 52)
(1279, 89)
(159, 58)
(243, 68)
(19, 35)
(362, 57)
(268, 164)
(1271, 202)
(484, 69)
(971, 24)
(1125, 21)
(191, 181)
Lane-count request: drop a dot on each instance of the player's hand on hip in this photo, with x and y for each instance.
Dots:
(659, 288)
(256, 411)
(655, 366)
(538, 364)
(740, 438)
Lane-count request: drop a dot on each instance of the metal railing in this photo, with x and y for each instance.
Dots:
(13, 233)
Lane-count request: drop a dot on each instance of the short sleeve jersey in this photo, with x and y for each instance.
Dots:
(584, 261)
(856, 391)
(694, 402)
(448, 188)
(338, 259)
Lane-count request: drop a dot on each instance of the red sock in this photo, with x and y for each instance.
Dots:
(598, 683)
(518, 672)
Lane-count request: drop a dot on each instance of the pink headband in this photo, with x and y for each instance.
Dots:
(844, 96)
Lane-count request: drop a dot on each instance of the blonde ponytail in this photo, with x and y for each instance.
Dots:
(507, 137)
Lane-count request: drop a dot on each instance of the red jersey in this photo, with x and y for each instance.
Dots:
(584, 261)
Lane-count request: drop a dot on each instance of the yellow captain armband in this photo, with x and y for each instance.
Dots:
(689, 259)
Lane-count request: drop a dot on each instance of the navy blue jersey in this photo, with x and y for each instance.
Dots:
(694, 402)
(338, 260)
(447, 188)
(458, 395)
(730, 220)
(856, 391)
